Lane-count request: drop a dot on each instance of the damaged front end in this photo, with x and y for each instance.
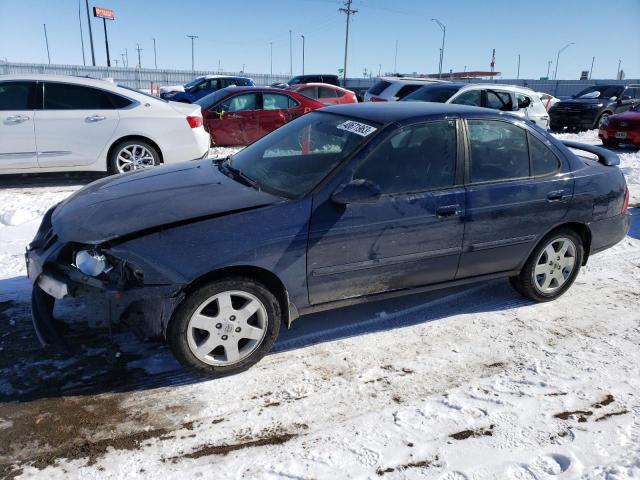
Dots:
(112, 288)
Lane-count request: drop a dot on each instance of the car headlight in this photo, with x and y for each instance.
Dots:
(91, 263)
(595, 105)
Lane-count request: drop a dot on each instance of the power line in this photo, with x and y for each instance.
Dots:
(349, 11)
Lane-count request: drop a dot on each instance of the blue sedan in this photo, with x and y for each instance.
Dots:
(344, 205)
(203, 86)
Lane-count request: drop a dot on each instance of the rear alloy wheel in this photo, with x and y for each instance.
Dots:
(133, 155)
(605, 116)
(225, 327)
(552, 267)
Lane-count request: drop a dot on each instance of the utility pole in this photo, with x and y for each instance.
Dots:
(290, 55)
(93, 55)
(349, 11)
(302, 54)
(243, 68)
(549, 67)
(46, 40)
(139, 50)
(192, 37)
(518, 75)
(116, 60)
(84, 62)
(155, 56)
(443, 27)
(124, 64)
(126, 54)
(593, 59)
(379, 68)
(271, 59)
(106, 41)
(617, 75)
(395, 59)
(555, 73)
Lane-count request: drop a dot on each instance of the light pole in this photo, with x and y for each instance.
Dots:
(518, 75)
(549, 62)
(93, 56)
(617, 75)
(302, 54)
(444, 33)
(593, 59)
(155, 57)
(395, 59)
(379, 68)
(555, 73)
(290, 55)
(271, 59)
(46, 41)
(192, 37)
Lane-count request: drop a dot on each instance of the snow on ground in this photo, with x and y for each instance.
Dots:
(467, 383)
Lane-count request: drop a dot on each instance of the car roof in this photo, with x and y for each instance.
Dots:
(501, 86)
(413, 80)
(224, 76)
(389, 112)
(317, 84)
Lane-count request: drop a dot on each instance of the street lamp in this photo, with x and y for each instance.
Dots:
(302, 54)
(555, 73)
(192, 37)
(444, 33)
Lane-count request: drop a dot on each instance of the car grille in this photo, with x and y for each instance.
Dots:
(569, 109)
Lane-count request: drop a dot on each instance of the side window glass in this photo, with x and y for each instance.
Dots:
(293, 103)
(311, 92)
(523, 101)
(240, 103)
(274, 101)
(326, 93)
(64, 96)
(417, 158)
(498, 151)
(499, 100)
(472, 97)
(543, 160)
(17, 95)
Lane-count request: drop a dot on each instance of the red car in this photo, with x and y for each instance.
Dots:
(326, 93)
(621, 128)
(242, 115)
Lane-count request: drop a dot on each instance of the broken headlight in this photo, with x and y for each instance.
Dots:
(91, 263)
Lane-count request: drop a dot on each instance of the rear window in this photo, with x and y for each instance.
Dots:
(432, 94)
(379, 87)
(406, 90)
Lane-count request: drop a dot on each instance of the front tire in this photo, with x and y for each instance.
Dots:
(225, 327)
(601, 119)
(131, 155)
(552, 267)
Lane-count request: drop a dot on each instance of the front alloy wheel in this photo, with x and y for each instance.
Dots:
(132, 155)
(225, 327)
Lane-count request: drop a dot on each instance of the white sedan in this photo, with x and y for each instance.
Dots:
(52, 123)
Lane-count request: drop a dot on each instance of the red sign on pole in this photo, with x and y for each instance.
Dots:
(103, 13)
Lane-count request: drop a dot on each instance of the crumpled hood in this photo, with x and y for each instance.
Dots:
(161, 196)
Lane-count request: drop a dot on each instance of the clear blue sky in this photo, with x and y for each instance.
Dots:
(239, 32)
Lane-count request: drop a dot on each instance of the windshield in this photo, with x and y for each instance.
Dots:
(601, 91)
(295, 158)
(212, 98)
(432, 94)
(192, 83)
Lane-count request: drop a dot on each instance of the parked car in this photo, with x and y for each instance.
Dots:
(621, 128)
(344, 205)
(202, 86)
(310, 78)
(392, 89)
(55, 123)
(325, 93)
(589, 108)
(241, 115)
(519, 101)
(547, 100)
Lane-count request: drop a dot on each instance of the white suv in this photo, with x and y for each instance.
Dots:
(392, 89)
(520, 101)
(52, 123)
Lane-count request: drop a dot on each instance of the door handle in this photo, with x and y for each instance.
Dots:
(17, 119)
(555, 196)
(448, 211)
(95, 118)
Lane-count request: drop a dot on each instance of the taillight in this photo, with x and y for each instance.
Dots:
(377, 99)
(625, 204)
(194, 121)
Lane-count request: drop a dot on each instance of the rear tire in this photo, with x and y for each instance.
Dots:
(225, 327)
(601, 118)
(552, 267)
(130, 155)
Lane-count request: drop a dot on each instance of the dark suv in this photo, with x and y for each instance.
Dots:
(591, 106)
(322, 78)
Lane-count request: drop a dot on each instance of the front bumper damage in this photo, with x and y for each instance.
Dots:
(146, 309)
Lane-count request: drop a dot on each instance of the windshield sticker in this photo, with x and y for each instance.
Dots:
(358, 128)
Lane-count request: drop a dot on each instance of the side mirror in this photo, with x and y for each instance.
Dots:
(356, 191)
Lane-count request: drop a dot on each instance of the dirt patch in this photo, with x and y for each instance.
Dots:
(496, 365)
(464, 434)
(603, 403)
(581, 415)
(612, 414)
(275, 438)
(422, 464)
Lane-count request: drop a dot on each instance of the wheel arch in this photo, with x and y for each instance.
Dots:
(261, 275)
(579, 228)
(125, 138)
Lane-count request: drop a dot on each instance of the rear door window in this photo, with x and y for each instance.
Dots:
(275, 101)
(471, 97)
(379, 87)
(324, 92)
(499, 100)
(311, 92)
(65, 96)
(543, 160)
(241, 103)
(498, 151)
(17, 95)
(406, 90)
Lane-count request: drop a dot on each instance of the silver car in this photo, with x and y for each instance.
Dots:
(520, 101)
